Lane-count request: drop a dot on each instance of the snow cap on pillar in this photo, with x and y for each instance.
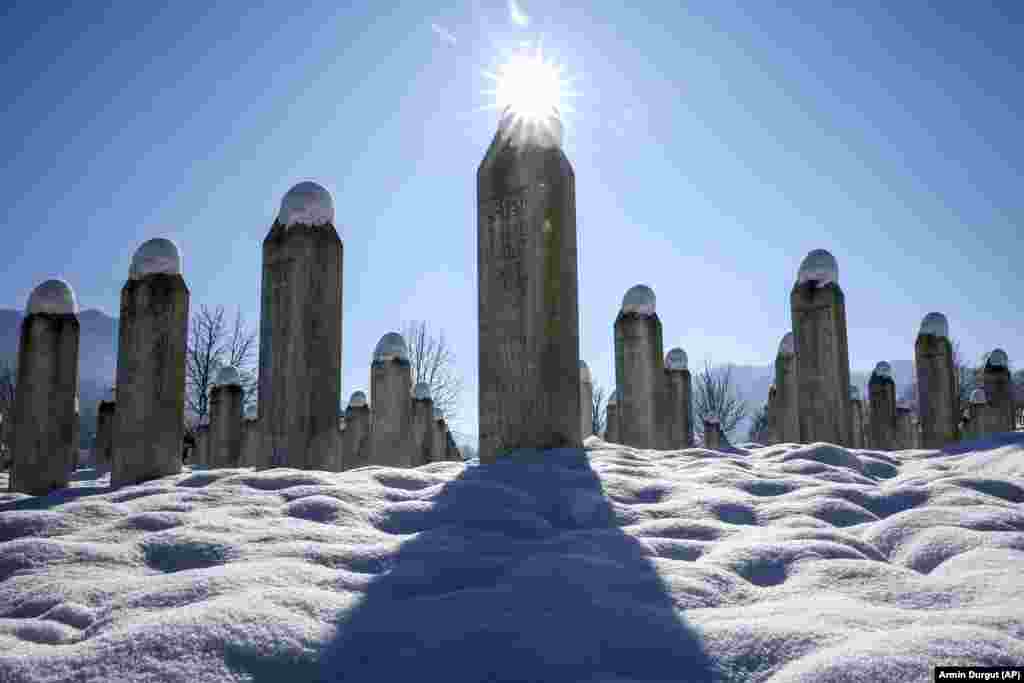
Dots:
(787, 347)
(936, 325)
(158, 255)
(391, 347)
(228, 375)
(585, 375)
(819, 267)
(421, 392)
(639, 299)
(979, 397)
(54, 297)
(357, 400)
(883, 369)
(307, 203)
(676, 359)
(998, 359)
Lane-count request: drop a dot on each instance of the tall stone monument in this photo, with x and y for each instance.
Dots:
(253, 452)
(938, 400)
(999, 389)
(882, 390)
(906, 426)
(822, 357)
(857, 415)
(390, 386)
(611, 424)
(772, 415)
(982, 421)
(586, 401)
(713, 437)
(226, 419)
(150, 419)
(786, 388)
(677, 423)
(422, 425)
(439, 437)
(300, 331)
(358, 425)
(44, 404)
(527, 288)
(105, 413)
(638, 368)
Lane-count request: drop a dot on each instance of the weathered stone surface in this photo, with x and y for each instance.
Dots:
(104, 448)
(859, 423)
(611, 429)
(677, 412)
(356, 447)
(201, 455)
(391, 434)
(149, 421)
(300, 336)
(423, 431)
(823, 363)
(439, 439)
(44, 446)
(787, 407)
(938, 402)
(586, 401)
(527, 287)
(639, 375)
(451, 449)
(713, 438)
(905, 428)
(999, 390)
(253, 452)
(226, 426)
(883, 412)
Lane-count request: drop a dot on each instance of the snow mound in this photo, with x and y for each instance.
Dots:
(936, 325)
(391, 347)
(55, 297)
(639, 299)
(997, 359)
(306, 204)
(781, 564)
(819, 267)
(676, 359)
(156, 256)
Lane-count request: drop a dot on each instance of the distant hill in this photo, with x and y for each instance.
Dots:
(97, 359)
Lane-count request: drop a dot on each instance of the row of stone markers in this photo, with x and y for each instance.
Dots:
(812, 400)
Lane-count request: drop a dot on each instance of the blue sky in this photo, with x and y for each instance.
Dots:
(714, 145)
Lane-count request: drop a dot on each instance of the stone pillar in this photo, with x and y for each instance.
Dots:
(786, 387)
(981, 419)
(857, 416)
(358, 426)
(439, 438)
(390, 386)
(677, 423)
(999, 389)
(422, 425)
(638, 368)
(772, 410)
(586, 401)
(882, 391)
(451, 448)
(202, 448)
(300, 331)
(527, 288)
(611, 425)
(823, 364)
(150, 417)
(937, 397)
(105, 414)
(712, 434)
(43, 414)
(226, 419)
(253, 452)
(904, 427)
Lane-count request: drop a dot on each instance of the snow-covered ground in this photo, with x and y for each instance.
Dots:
(785, 563)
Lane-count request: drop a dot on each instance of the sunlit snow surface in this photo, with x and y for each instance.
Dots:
(783, 563)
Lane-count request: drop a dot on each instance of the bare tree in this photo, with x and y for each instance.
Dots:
(8, 379)
(598, 410)
(759, 426)
(433, 362)
(715, 396)
(213, 343)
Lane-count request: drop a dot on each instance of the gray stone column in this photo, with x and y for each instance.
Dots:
(937, 399)
(226, 419)
(905, 438)
(253, 452)
(451, 449)
(390, 386)
(300, 331)
(638, 368)
(999, 389)
(823, 364)
(586, 401)
(677, 423)
(882, 391)
(982, 421)
(202, 452)
(439, 437)
(713, 434)
(528, 291)
(857, 416)
(105, 415)
(786, 388)
(611, 424)
(358, 428)
(150, 417)
(422, 425)
(44, 444)
(772, 410)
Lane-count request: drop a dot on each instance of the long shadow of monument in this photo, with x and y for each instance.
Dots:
(519, 572)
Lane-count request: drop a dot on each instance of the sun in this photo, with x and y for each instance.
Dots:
(531, 87)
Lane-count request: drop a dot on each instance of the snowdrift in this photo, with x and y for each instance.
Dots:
(783, 564)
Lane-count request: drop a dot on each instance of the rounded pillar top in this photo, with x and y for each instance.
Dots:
(639, 299)
(391, 347)
(307, 203)
(883, 369)
(854, 393)
(787, 346)
(935, 324)
(998, 359)
(357, 400)
(676, 359)
(585, 375)
(158, 255)
(54, 297)
(421, 392)
(229, 375)
(978, 397)
(819, 267)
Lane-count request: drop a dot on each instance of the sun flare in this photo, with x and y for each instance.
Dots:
(530, 86)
